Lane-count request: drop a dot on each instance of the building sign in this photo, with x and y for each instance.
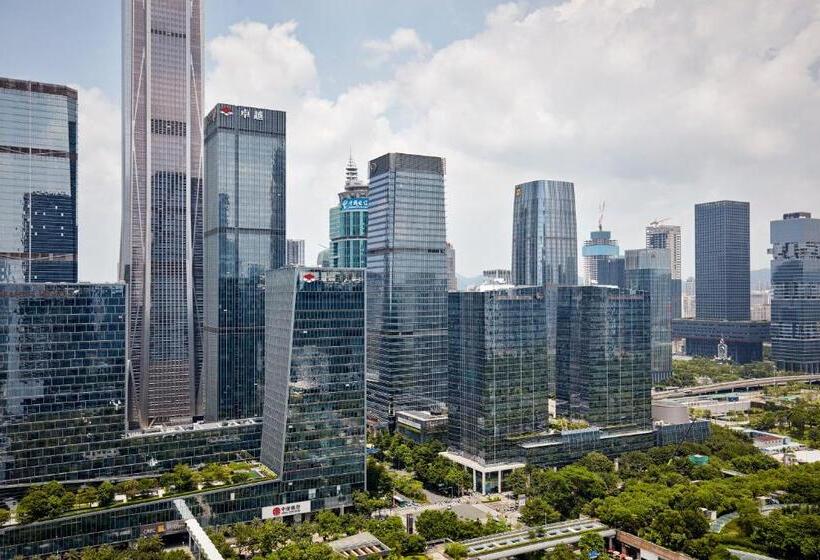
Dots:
(173, 526)
(354, 204)
(226, 110)
(275, 512)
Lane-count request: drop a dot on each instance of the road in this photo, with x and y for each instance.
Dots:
(732, 385)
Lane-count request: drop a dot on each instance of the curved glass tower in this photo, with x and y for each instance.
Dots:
(545, 246)
(348, 222)
(161, 242)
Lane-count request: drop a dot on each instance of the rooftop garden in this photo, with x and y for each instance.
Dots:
(52, 499)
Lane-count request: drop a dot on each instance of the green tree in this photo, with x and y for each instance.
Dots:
(597, 463)
(456, 551)
(86, 495)
(185, 478)
(437, 524)
(105, 493)
(591, 542)
(130, 488)
(4, 515)
(537, 511)
(561, 552)
(378, 478)
(517, 482)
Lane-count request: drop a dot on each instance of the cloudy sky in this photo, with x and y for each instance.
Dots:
(650, 105)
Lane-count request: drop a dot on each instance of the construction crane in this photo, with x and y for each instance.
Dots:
(658, 221)
(601, 209)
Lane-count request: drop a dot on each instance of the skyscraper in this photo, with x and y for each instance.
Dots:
(659, 236)
(295, 252)
(649, 271)
(162, 218)
(348, 222)
(599, 248)
(722, 260)
(501, 365)
(612, 272)
(314, 415)
(544, 248)
(452, 279)
(795, 327)
(603, 348)
(407, 286)
(38, 182)
(244, 238)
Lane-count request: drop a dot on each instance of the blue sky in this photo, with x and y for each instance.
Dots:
(649, 105)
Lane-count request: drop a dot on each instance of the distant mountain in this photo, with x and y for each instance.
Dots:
(760, 279)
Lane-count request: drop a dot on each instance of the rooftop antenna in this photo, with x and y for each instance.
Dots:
(601, 209)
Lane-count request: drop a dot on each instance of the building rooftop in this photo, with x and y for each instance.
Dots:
(361, 545)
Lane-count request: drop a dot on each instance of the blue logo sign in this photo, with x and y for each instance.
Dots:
(354, 204)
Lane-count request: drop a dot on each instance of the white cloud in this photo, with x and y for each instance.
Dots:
(653, 105)
(401, 42)
(99, 185)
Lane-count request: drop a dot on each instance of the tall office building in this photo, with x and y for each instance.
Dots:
(722, 260)
(501, 365)
(599, 248)
(244, 238)
(62, 366)
(162, 218)
(612, 272)
(348, 222)
(602, 356)
(452, 279)
(649, 271)
(295, 252)
(659, 236)
(795, 327)
(497, 275)
(38, 182)
(544, 247)
(689, 293)
(407, 286)
(314, 415)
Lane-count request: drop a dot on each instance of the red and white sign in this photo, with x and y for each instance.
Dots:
(309, 277)
(226, 110)
(283, 510)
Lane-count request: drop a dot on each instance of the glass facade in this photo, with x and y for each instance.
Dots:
(295, 252)
(660, 236)
(603, 356)
(649, 271)
(612, 272)
(348, 223)
(544, 247)
(407, 286)
(599, 248)
(244, 237)
(314, 414)
(38, 182)
(795, 269)
(722, 260)
(501, 365)
(162, 219)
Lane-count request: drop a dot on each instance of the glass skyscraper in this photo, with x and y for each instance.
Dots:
(795, 326)
(314, 415)
(244, 238)
(501, 365)
(649, 271)
(659, 236)
(62, 372)
(295, 252)
(348, 223)
(722, 260)
(162, 218)
(544, 247)
(599, 248)
(407, 286)
(38, 182)
(603, 371)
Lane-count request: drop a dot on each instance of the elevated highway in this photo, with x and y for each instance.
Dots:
(740, 384)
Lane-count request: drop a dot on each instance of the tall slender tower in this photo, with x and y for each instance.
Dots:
(660, 236)
(161, 242)
(545, 247)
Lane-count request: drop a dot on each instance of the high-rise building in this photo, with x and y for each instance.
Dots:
(612, 272)
(323, 259)
(62, 371)
(162, 218)
(761, 305)
(244, 238)
(659, 236)
(689, 293)
(452, 279)
(38, 182)
(498, 275)
(544, 247)
(649, 271)
(603, 356)
(295, 252)
(722, 260)
(501, 366)
(407, 286)
(599, 248)
(795, 327)
(314, 415)
(348, 222)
